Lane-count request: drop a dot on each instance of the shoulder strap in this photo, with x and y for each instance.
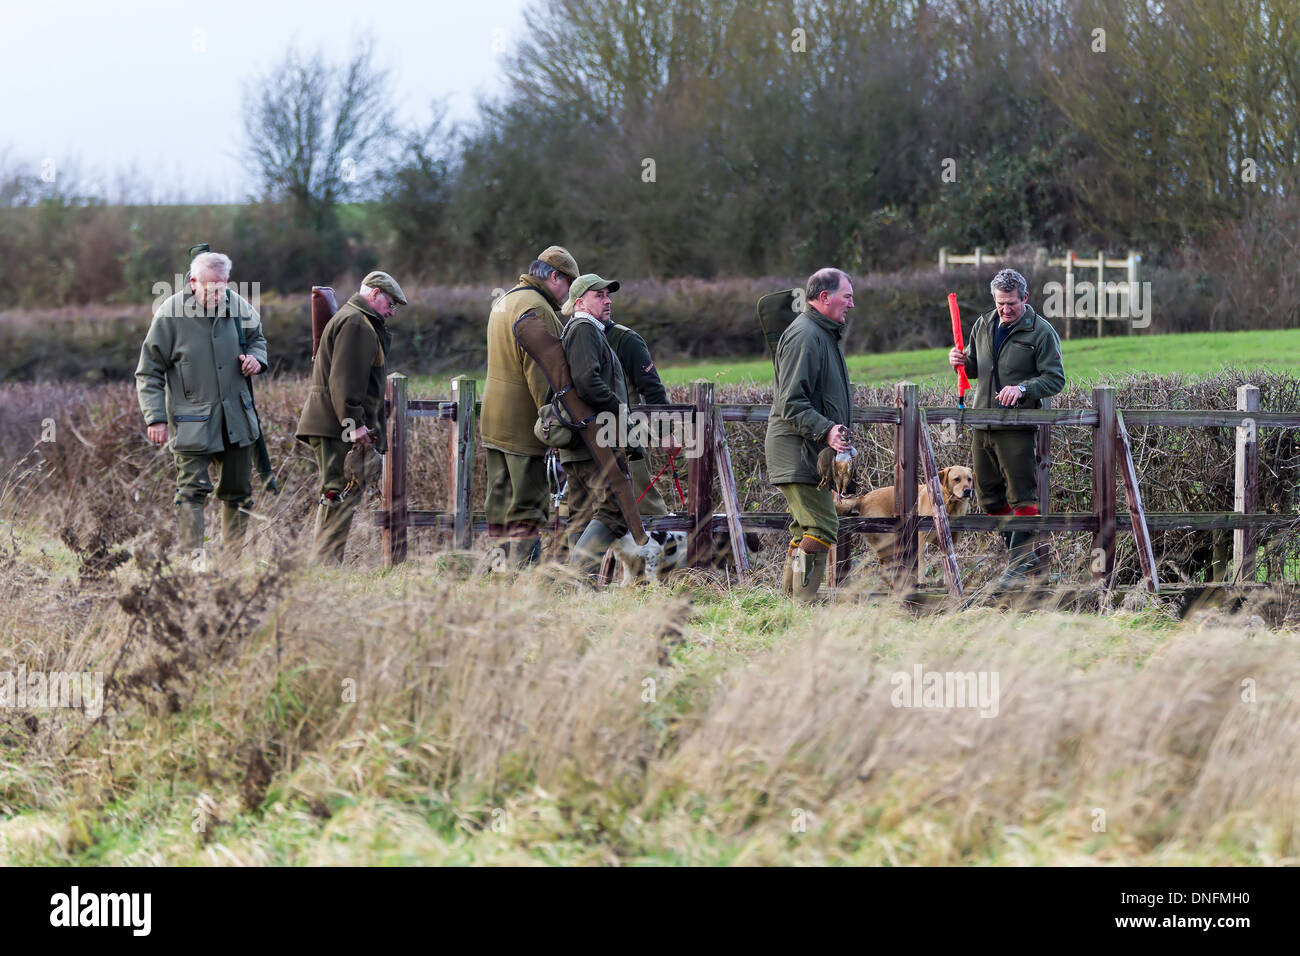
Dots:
(239, 325)
(582, 319)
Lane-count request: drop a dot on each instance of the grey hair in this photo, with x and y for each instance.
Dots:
(825, 280)
(210, 262)
(1009, 280)
(541, 270)
(367, 289)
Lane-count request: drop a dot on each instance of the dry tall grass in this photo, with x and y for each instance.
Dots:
(274, 713)
(321, 717)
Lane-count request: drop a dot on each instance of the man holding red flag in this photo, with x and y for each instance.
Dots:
(1014, 355)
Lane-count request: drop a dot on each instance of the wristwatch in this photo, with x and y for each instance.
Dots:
(1022, 389)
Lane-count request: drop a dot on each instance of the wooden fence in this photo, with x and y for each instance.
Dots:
(1070, 262)
(914, 464)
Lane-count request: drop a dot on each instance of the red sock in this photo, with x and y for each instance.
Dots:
(1026, 510)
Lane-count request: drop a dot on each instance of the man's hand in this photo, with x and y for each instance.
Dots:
(838, 437)
(956, 357)
(363, 436)
(158, 433)
(1010, 395)
(249, 365)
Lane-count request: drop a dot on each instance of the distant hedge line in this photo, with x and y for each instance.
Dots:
(442, 330)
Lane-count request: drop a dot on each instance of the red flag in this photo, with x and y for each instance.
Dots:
(963, 383)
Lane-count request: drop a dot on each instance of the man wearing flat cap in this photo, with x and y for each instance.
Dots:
(595, 520)
(518, 495)
(344, 420)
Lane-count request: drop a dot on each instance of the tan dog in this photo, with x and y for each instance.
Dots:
(958, 485)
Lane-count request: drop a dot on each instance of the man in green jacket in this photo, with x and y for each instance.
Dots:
(192, 378)
(344, 419)
(812, 407)
(643, 388)
(1014, 356)
(518, 493)
(595, 520)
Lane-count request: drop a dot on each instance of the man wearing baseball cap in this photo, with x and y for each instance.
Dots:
(518, 495)
(344, 420)
(595, 520)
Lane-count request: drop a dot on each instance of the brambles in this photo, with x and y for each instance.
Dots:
(102, 477)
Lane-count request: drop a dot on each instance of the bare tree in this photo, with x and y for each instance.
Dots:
(312, 129)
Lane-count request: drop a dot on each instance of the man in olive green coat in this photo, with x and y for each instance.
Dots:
(192, 377)
(1014, 356)
(595, 519)
(812, 407)
(344, 419)
(643, 388)
(518, 494)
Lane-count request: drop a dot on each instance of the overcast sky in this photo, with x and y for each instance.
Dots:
(156, 86)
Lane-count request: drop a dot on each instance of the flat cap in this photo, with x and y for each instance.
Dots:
(584, 284)
(558, 257)
(385, 283)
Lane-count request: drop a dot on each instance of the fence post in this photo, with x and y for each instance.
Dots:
(394, 534)
(1131, 265)
(1103, 485)
(700, 469)
(1245, 499)
(1069, 290)
(979, 258)
(1101, 285)
(1043, 466)
(907, 440)
(463, 392)
(943, 259)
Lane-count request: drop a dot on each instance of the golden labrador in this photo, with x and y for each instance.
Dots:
(958, 485)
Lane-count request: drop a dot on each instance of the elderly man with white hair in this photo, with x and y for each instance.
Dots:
(192, 380)
(344, 418)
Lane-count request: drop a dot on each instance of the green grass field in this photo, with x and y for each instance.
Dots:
(1193, 353)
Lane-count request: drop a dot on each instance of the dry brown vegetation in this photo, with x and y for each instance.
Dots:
(273, 713)
(685, 319)
(423, 717)
(101, 477)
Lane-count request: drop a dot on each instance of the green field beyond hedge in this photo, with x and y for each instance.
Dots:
(1192, 353)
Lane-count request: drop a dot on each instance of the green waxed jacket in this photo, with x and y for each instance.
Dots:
(812, 394)
(597, 376)
(189, 375)
(1030, 356)
(348, 376)
(639, 372)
